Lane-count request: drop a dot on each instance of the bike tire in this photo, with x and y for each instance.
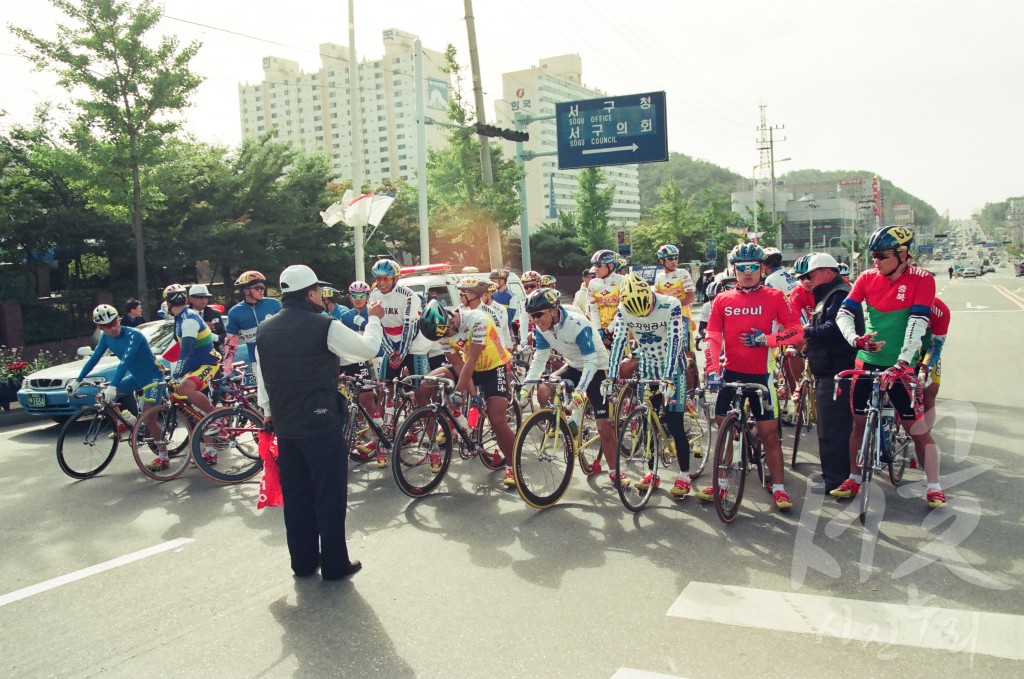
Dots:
(639, 454)
(84, 445)
(485, 438)
(175, 434)
(542, 459)
(902, 448)
(415, 442)
(591, 448)
(727, 468)
(236, 441)
(870, 447)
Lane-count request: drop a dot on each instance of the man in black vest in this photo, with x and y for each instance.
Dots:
(300, 354)
(828, 353)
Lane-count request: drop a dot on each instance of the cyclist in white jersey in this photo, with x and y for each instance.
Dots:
(775, 276)
(498, 314)
(603, 293)
(661, 333)
(567, 331)
(401, 313)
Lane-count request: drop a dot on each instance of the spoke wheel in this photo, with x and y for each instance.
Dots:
(486, 441)
(87, 443)
(416, 447)
(729, 471)
(174, 438)
(870, 448)
(542, 459)
(225, 445)
(639, 454)
(590, 448)
(902, 449)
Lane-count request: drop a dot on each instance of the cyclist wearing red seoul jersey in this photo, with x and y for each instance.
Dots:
(743, 319)
(897, 299)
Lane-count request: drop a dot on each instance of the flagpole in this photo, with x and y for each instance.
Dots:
(357, 155)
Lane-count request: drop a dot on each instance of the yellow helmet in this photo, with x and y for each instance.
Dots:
(635, 295)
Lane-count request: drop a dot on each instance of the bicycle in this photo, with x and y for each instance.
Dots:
(878, 429)
(699, 419)
(84, 456)
(806, 410)
(231, 432)
(175, 434)
(360, 421)
(422, 449)
(729, 474)
(545, 448)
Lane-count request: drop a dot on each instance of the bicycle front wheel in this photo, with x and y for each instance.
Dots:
(87, 443)
(161, 433)
(542, 459)
(802, 411)
(639, 453)
(422, 452)
(225, 445)
(729, 471)
(869, 448)
(902, 449)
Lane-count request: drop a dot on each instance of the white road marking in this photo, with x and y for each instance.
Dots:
(630, 673)
(91, 570)
(957, 631)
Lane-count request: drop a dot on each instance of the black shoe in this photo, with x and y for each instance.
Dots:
(350, 570)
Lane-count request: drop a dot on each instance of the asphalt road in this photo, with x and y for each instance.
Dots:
(472, 582)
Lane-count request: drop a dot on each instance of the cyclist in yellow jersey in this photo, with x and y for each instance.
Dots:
(603, 293)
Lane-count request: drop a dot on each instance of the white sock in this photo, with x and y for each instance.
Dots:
(776, 487)
(934, 486)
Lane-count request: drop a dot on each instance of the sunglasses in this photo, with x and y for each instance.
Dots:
(530, 286)
(748, 267)
(111, 324)
(357, 295)
(535, 315)
(881, 256)
(671, 259)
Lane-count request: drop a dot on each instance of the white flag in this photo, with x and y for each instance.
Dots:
(379, 206)
(333, 214)
(358, 211)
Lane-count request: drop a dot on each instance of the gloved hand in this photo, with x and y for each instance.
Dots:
(577, 398)
(895, 374)
(110, 393)
(73, 386)
(867, 343)
(925, 378)
(606, 387)
(714, 381)
(524, 395)
(792, 351)
(395, 360)
(754, 338)
(457, 400)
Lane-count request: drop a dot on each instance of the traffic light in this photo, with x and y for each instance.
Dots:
(495, 131)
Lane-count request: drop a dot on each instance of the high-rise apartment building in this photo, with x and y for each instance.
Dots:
(535, 91)
(312, 110)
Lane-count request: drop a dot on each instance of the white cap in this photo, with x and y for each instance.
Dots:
(198, 290)
(299, 277)
(822, 260)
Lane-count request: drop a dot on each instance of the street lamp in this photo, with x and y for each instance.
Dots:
(811, 207)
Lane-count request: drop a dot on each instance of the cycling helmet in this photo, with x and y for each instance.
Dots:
(773, 255)
(385, 267)
(635, 295)
(800, 266)
(104, 314)
(250, 277)
(844, 270)
(667, 250)
(712, 290)
(358, 287)
(725, 276)
(530, 276)
(434, 321)
(498, 274)
(328, 292)
(541, 300)
(621, 264)
(746, 252)
(603, 257)
(492, 288)
(891, 237)
(548, 281)
(474, 284)
(175, 294)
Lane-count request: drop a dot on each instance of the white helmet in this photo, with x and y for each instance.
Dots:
(104, 314)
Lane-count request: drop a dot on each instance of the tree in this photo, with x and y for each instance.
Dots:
(557, 248)
(593, 210)
(132, 91)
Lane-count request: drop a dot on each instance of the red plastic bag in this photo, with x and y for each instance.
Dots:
(270, 485)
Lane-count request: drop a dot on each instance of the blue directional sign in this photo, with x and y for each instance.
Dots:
(612, 131)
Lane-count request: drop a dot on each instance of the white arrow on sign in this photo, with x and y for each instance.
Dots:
(631, 147)
(972, 306)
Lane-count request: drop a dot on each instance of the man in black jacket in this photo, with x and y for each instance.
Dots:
(300, 354)
(828, 353)
(199, 300)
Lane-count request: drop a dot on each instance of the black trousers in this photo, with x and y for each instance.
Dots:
(314, 482)
(835, 422)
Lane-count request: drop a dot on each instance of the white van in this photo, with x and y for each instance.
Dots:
(437, 281)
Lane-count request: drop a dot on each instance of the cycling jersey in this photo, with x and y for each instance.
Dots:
(401, 314)
(603, 300)
(136, 356)
(739, 312)
(195, 343)
(781, 280)
(500, 318)
(897, 311)
(573, 338)
(660, 336)
(802, 302)
(675, 284)
(243, 318)
(476, 327)
(505, 298)
(339, 311)
(355, 319)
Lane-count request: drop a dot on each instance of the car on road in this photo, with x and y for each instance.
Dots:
(44, 392)
(970, 272)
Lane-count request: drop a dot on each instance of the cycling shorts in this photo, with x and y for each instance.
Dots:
(725, 396)
(416, 363)
(907, 408)
(152, 393)
(594, 395)
(202, 375)
(489, 383)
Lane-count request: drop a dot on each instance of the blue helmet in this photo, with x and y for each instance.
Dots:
(746, 252)
(891, 237)
(603, 257)
(668, 250)
(385, 267)
(712, 290)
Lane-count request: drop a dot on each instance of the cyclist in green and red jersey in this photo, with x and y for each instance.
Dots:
(897, 299)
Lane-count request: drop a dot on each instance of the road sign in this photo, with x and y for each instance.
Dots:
(612, 131)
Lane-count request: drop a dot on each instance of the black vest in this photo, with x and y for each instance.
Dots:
(300, 374)
(832, 355)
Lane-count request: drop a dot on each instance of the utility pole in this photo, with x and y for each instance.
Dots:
(766, 147)
(493, 240)
(421, 155)
(357, 139)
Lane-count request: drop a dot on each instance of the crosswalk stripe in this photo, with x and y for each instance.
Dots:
(957, 631)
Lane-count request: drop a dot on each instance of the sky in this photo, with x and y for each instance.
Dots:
(925, 94)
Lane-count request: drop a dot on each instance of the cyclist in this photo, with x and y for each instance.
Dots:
(531, 281)
(497, 313)
(401, 311)
(725, 280)
(775, 276)
(199, 300)
(357, 318)
(897, 299)
(566, 330)
(678, 283)
(478, 364)
(603, 297)
(580, 300)
(743, 319)
(331, 296)
(244, 317)
(661, 332)
(621, 265)
(801, 299)
(503, 295)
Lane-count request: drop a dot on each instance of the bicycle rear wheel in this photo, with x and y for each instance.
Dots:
(422, 452)
(87, 443)
(639, 454)
(173, 437)
(729, 471)
(542, 459)
(870, 447)
(225, 445)
(902, 449)
(486, 439)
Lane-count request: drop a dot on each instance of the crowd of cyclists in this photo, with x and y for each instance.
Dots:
(496, 345)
